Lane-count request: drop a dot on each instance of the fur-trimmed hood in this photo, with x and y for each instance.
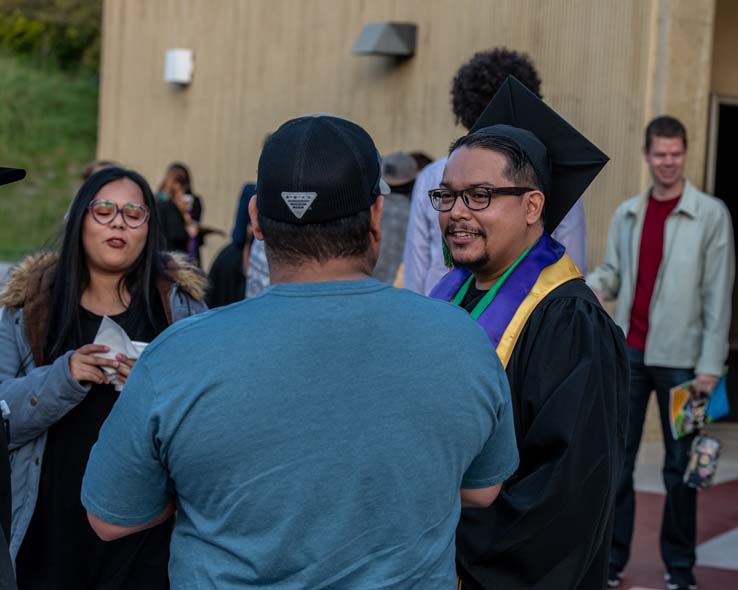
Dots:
(30, 286)
(20, 278)
(28, 277)
(191, 279)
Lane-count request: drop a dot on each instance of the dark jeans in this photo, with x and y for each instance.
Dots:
(678, 527)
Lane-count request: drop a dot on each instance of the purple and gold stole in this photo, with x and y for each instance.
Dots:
(543, 269)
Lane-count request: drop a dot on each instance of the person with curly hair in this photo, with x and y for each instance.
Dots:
(473, 86)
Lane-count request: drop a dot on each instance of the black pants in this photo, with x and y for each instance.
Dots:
(678, 527)
(7, 577)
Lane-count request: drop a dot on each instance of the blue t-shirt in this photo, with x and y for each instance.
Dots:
(315, 436)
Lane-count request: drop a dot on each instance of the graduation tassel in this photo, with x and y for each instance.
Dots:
(447, 260)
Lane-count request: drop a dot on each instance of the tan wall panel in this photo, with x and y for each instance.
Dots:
(259, 62)
(688, 66)
(725, 49)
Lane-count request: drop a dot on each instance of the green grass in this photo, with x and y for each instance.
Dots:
(48, 125)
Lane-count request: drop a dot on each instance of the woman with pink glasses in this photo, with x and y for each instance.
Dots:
(53, 379)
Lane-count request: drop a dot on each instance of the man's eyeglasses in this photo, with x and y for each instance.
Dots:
(133, 215)
(475, 198)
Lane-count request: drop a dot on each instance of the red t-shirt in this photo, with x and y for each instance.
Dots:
(649, 258)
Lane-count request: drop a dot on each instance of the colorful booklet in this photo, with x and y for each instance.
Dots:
(690, 411)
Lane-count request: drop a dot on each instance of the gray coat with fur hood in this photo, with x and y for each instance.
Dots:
(39, 396)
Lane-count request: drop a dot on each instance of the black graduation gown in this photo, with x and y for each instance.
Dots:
(226, 281)
(173, 227)
(551, 525)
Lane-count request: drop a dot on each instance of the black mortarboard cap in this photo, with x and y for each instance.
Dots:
(565, 161)
(8, 175)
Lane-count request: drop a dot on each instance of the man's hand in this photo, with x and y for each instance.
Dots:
(85, 366)
(705, 383)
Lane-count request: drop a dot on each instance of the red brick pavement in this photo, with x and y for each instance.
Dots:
(717, 514)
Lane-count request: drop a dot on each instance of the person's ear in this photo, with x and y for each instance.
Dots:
(534, 207)
(375, 219)
(254, 215)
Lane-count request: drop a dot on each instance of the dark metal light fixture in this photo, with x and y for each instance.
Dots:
(390, 39)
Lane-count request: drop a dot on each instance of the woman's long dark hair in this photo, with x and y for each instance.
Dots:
(72, 273)
(183, 172)
(179, 172)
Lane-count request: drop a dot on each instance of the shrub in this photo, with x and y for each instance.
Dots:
(63, 32)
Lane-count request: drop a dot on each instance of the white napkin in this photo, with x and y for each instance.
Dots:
(113, 336)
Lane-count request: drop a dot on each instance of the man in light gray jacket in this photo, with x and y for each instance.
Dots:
(670, 264)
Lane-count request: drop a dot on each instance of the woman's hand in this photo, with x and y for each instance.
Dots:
(85, 366)
(125, 366)
(193, 229)
(183, 202)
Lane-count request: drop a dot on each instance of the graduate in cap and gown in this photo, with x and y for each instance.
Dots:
(505, 188)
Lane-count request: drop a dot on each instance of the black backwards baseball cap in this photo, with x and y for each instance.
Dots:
(8, 175)
(565, 161)
(318, 168)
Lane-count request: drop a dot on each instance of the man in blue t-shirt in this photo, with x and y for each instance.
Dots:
(337, 453)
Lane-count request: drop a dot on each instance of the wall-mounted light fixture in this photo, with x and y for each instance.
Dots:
(389, 39)
(178, 66)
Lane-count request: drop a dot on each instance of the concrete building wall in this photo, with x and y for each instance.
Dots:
(681, 71)
(724, 80)
(606, 66)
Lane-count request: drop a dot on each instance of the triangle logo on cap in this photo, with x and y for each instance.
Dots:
(298, 202)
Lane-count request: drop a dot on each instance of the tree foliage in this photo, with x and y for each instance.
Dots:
(64, 32)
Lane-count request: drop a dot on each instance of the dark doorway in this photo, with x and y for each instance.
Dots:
(726, 180)
(726, 188)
